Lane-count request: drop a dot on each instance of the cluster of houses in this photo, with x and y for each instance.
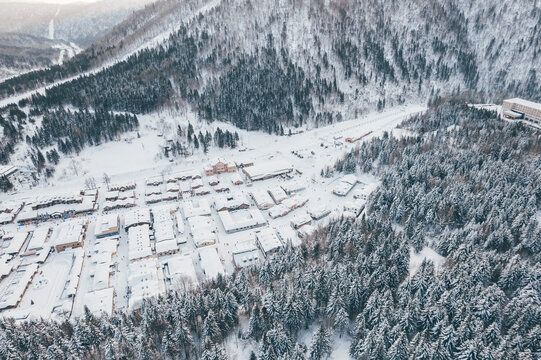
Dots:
(57, 207)
(22, 253)
(9, 210)
(155, 234)
(116, 198)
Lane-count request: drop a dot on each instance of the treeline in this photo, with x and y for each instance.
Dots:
(187, 141)
(71, 131)
(50, 132)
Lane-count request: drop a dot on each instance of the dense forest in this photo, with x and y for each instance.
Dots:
(59, 130)
(464, 183)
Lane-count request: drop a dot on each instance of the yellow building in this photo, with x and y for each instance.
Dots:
(522, 109)
(220, 166)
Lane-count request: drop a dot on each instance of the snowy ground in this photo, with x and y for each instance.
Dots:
(428, 254)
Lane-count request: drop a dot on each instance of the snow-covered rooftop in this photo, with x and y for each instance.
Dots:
(523, 102)
(139, 242)
(211, 263)
(241, 220)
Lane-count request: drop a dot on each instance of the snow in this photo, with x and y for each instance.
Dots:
(139, 242)
(268, 240)
(211, 263)
(428, 254)
(100, 301)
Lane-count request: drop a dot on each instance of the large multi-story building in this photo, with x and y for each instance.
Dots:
(522, 109)
(219, 166)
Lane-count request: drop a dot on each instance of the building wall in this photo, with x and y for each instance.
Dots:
(73, 245)
(529, 112)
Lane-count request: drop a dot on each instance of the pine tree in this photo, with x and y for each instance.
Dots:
(320, 347)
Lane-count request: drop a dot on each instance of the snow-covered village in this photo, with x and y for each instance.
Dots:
(137, 233)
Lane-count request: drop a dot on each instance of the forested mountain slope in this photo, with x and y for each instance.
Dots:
(372, 51)
(275, 64)
(466, 183)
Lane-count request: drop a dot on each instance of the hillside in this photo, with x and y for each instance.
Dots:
(288, 63)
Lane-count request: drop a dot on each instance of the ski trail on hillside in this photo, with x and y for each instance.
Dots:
(51, 24)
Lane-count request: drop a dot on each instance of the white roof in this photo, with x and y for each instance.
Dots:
(72, 231)
(230, 201)
(6, 170)
(106, 224)
(101, 277)
(195, 207)
(287, 234)
(523, 102)
(6, 265)
(110, 205)
(248, 258)
(103, 258)
(12, 290)
(127, 184)
(307, 230)
(262, 198)
(186, 174)
(16, 243)
(210, 262)
(75, 272)
(262, 170)
(342, 188)
(112, 194)
(268, 240)
(319, 211)
(87, 205)
(181, 266)
(279, 210)
(292, 186)
(244, 246)
(144, 281)
(301, 218)
(236, 178)
(197, 183)
(39, 237)
(100, 301)
(7, 217)
(202, 230)
(139, 242)
(137, 216)
(154, 180)
(355, 205)
(278, 194)
(164, 231)
(202, 190)
(165, 246)
(10, 206)
(107, 245)
(241, 219)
